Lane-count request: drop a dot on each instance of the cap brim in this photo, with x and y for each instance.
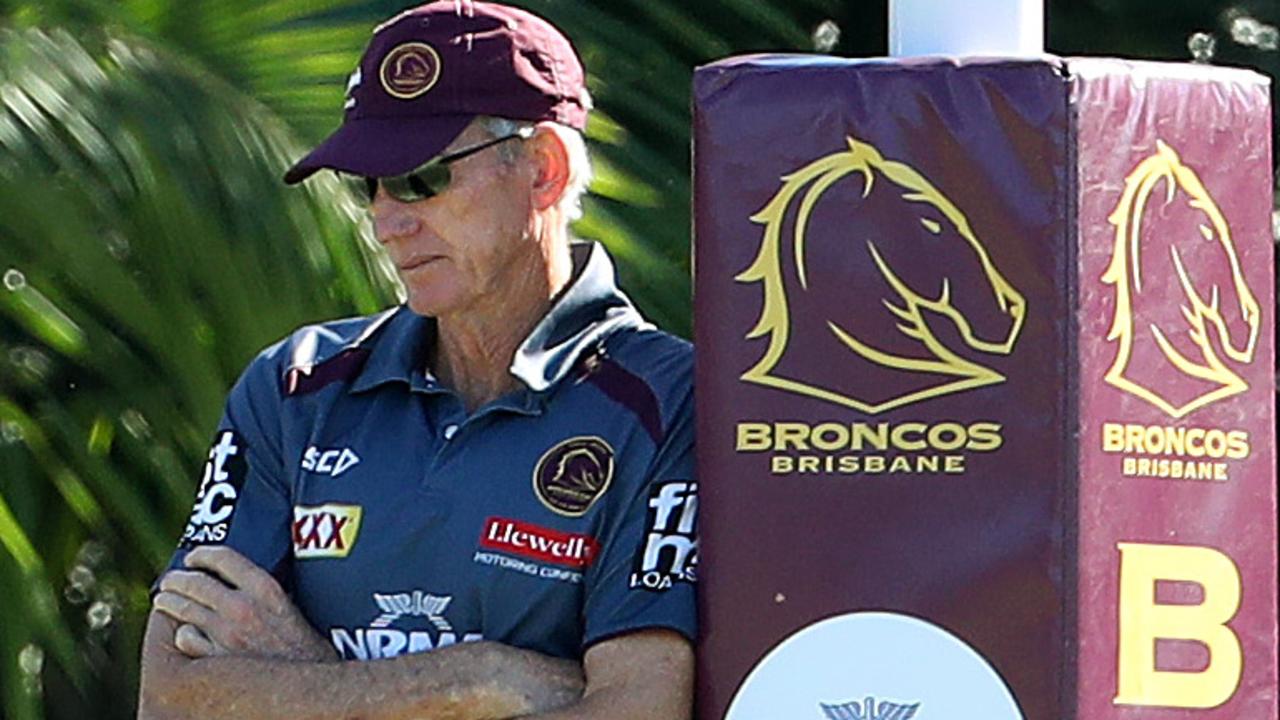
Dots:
(380, 146)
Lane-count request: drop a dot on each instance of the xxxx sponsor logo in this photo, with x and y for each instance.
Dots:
(325, 531)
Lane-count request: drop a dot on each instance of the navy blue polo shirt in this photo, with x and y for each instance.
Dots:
(556, 516)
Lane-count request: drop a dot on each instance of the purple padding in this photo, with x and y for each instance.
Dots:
(343, 366)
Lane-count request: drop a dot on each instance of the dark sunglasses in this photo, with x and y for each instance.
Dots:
(428, 180)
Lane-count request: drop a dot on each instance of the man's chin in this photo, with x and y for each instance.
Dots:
(433, 304)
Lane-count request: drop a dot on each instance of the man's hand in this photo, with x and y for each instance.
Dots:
(235, 608)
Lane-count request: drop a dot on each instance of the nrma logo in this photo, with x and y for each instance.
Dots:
(917, 670)
(1179, 291)
(865, 257)
(870, 710)
(382, 639)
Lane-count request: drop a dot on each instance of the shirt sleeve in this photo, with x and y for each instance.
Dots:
(243, 498)
(646, 572)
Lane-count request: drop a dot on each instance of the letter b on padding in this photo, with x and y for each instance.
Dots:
(1143, 621)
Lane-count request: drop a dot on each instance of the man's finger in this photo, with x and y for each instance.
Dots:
(201, 587)
(183, 609)
(193, 643)
(237, 570)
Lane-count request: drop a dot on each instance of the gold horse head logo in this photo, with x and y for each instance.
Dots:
(941, 303)
(1201, 321)
(579, 471)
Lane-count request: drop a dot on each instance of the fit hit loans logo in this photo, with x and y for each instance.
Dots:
(669, 553)
(220, 487)
(865, 257)
(1176, 308)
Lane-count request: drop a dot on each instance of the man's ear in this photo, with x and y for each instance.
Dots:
(550, 159)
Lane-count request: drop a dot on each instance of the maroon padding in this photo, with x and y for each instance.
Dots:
(1018, 553)
(992, 137)
(1214, 123)
(343, 366)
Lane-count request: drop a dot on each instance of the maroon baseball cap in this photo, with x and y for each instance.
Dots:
(429, 71)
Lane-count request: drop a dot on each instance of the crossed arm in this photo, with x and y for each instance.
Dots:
(237, 647)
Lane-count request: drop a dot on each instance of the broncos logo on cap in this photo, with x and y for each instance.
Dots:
(409, 70)
(882, 281)
(1171, 353)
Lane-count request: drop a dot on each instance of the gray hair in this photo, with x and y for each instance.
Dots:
(570, 203)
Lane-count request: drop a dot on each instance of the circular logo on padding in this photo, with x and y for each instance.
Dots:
(873, 665)
(571, 476)
(410, 70)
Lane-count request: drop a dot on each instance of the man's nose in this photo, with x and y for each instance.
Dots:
(392, 219)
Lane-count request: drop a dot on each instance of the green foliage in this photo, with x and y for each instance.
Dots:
(149, 250)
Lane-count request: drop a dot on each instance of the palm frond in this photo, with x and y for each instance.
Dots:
(149, 250)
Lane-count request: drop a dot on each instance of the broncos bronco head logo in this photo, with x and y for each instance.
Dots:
(880, 278)
(579, 472)
(410, 70)
(571, 476)
(1190, 336)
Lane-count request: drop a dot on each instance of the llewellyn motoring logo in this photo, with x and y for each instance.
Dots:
(919, 330)
(1174, 359)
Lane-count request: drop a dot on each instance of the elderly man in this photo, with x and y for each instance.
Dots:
(498, 472)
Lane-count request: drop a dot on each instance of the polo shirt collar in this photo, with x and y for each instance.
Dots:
(398, 351)
(587, 311)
